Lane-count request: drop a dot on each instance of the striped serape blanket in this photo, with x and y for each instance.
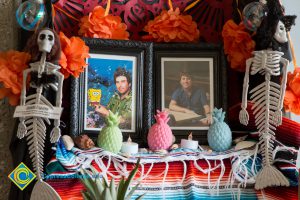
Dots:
(176, 175)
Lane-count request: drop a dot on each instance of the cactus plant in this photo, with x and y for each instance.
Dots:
(110, 137)
(219, 134)
(98, 188)
(160, 135)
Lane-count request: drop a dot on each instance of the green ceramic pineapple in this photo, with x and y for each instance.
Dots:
(110, 137)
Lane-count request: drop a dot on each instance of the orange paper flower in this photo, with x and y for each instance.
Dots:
(12, 64)
(171, 26)
(292, 94)
(238, 45)
(73, 55)
(97, 25)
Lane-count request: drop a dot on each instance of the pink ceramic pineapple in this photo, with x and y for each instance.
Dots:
(160, 135)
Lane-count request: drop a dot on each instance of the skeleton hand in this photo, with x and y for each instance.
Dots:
(55, 134)
(244, 117)
(277, 117)
(22, 130)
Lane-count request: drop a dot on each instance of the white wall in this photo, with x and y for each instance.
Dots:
(292, 7)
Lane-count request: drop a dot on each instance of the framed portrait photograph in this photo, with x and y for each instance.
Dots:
(117, 79)
(190, 82)
(111, 86)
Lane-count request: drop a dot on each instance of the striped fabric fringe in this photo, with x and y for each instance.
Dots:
(165, 180)
(214, 161)
(179, 174)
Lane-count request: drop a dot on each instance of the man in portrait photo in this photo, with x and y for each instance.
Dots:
(190, 100)
(121, 101)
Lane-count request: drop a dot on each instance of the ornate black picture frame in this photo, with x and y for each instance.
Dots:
(106, 56)
(207, 65)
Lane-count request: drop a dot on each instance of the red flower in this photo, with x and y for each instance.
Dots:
(97, 25)
(12, 64)
(171, 26)
(73, 55)
(292, 94)
(238, 45)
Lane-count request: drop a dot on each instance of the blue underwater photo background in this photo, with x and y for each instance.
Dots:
(101, 76)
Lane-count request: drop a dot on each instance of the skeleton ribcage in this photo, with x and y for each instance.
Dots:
(266, 61)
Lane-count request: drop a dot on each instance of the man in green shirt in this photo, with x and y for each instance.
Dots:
(121, 101)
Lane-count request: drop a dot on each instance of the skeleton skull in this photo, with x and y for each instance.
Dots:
(280, 34)
(45, 40)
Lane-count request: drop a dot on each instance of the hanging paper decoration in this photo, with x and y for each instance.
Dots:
(134, 13)
(171, 26)
(253, 15)
(12, 64)
(31, 15)
(238, 45)
(73, 55)
(210, 16)
(292, 94)
(100, 24)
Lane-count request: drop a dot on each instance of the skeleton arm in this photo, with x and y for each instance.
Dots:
(55, 133)
(22, 130)
(244, 116)
(23, 92)
(283, 82)
(278, 112)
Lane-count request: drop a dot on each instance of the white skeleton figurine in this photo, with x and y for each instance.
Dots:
(34, 127)
(268, 101)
